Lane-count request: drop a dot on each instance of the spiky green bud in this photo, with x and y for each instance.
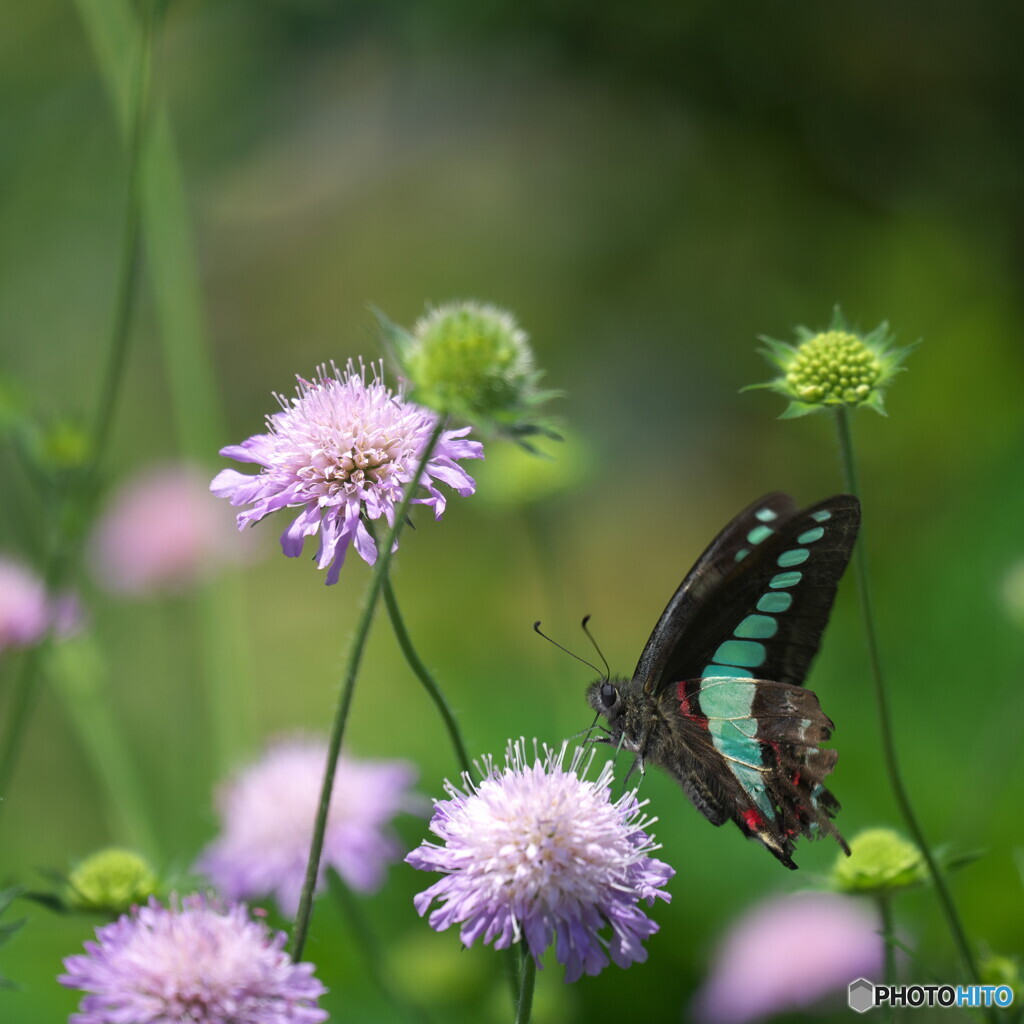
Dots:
(472, 361)
(834, 367)
(880, 861)
(111, 880)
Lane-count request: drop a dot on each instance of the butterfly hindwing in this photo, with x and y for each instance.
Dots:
(750, 750)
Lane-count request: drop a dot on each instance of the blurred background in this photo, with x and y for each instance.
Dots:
(648, 188)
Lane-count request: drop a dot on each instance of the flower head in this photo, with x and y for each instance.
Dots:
(111, 880)
(537, 852)
(267, 814)
(27, 612)
(161, 531)
(472, 360)
(343, 449)
(880, 860)
(834, 367)
(195, 960)
(787, 953)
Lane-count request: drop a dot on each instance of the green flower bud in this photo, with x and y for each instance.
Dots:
(1000, 970)
(834, 367)
(111, 880)
(472, 361)
(880, 861)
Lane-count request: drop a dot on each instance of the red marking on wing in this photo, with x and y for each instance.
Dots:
(754, 819)
(686, 708)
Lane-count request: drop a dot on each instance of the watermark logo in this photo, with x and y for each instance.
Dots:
(864, 995)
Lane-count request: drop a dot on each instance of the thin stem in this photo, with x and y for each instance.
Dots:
(22, 703)
(423, 674)
(60, 548)
(860, 561)
(77, 671)
(300, 929)
(173, 278)
(888, 937)
(370, 948)
(527, 977)
(128, 286)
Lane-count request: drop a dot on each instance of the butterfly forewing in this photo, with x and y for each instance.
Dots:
(718, 562)
(758, 600)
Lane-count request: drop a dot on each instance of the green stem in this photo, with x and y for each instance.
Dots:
(423, 674)
(300, 929)
(60, 546)
(173, 277)
(885, 910)
(77, 672)
(888, 936)
(849, 464)
(22, 702)
(370, 948)
(527, 977)
(128, 286)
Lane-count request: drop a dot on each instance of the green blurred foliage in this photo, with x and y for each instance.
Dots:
(648, 188)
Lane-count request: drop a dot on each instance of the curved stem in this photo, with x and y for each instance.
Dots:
(422, 673)
(527, 977)
(849, 464)
(300, 929)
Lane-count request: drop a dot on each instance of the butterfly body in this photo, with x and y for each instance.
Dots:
(717, 698)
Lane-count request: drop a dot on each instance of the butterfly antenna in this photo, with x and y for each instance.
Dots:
(600, 653)
(537, 630)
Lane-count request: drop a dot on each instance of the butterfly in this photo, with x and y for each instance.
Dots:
(717, 698)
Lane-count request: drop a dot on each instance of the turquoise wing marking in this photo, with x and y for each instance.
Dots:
(727, 705)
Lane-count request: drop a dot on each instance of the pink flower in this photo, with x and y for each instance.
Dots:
(161, 531)
(343, 450)
(267, 815)
(26, 611)
(538, 853)
(787, 953)
(196, 960)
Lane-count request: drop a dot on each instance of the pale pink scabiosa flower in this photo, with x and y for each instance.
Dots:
(196, 960)
(787, 953)
(27, 613)
(343, 448)
(267, 814)
(162, 531)
(537, 852)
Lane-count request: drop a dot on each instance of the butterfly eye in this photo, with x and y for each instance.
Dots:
(609, 695)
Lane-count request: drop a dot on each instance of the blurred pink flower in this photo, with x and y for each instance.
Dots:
(787, 953)
(162, 531)
(267, 813)
(25, 611)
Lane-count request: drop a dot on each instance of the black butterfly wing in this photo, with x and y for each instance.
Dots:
(726, 663)
(748, 749)
(758, 599)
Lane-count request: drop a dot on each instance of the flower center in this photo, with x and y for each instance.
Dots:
(834, 367)
(331, 473)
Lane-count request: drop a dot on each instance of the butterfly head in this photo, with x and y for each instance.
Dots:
(603, 697)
